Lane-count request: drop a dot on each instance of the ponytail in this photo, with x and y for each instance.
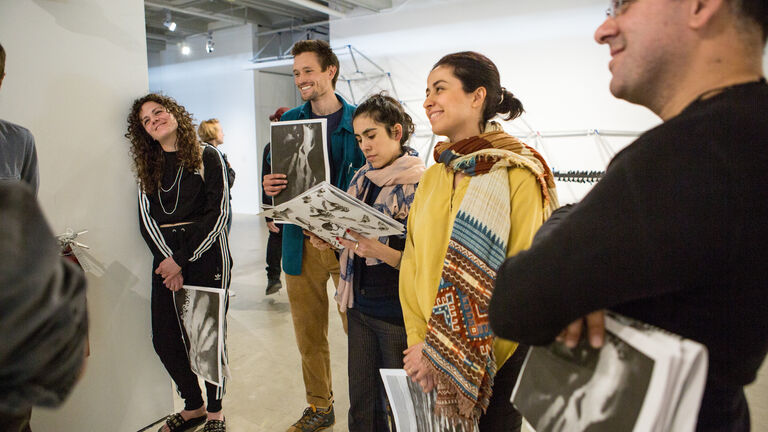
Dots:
(509, 105)
(475, 70)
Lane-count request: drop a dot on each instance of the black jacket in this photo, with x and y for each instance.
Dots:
(673, 235)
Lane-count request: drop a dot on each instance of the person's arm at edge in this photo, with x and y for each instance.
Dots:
(30, 172)
(579, 267)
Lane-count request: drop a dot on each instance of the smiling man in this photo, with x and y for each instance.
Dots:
(307, 269)
(674, 234)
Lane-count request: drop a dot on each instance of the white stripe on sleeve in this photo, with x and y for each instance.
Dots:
(151, 226)
(223, 213)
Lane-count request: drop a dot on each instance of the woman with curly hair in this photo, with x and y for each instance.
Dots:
(183, 209)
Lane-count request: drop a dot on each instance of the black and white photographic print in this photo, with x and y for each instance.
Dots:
(299, 150)
(328, 212)
(584, 389)
(201, 315)
(643, 379)
(399, 397)
(412, 409)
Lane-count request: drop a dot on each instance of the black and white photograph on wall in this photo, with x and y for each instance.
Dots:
(623, 386)
(201, 315)
(299, 150)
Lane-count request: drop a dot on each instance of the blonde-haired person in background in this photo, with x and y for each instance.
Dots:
(210, 132)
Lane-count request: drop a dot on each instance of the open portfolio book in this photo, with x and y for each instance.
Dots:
(328, 212)
(642, 379)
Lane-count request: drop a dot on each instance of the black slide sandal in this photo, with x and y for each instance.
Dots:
(176, 422)
(215, 426)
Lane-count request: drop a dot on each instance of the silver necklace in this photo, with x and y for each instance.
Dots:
(178, 190)
(178, 176)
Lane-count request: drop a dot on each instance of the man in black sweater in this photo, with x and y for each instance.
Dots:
(674, 234)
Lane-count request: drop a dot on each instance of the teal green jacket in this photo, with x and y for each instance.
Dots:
(352, 159)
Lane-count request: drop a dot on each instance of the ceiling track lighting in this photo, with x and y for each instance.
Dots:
(209, 44)
(168, 22)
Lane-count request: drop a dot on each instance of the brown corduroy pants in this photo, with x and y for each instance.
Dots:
(308, 298)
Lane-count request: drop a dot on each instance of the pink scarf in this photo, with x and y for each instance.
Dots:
(398, 182)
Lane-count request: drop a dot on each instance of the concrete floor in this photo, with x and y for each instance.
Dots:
(266, 392)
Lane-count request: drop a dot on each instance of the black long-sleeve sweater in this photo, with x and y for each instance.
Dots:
(201, 197)
(674, 235)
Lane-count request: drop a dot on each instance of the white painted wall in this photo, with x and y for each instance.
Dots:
(544, 51)
(274, 85)
(546, 54)
(73, 69)
(218, 85)
(272, 92)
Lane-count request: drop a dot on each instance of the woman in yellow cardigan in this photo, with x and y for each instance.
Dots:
(482, 202)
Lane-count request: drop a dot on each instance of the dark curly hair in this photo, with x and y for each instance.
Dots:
(386, 110)
(146, 151)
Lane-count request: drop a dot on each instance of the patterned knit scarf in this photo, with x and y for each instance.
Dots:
(398, 182)
(459, 341)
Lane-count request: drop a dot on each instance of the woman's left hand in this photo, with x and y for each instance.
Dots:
(416, 367)
(362, 246)
(168, 268)
(175, 282)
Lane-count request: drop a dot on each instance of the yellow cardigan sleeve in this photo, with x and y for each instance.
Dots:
(526, 208)
(415, 322)
(429, 228)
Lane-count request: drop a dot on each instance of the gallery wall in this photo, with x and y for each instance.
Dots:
(218, 85)
(547, 56)
(545, 52)
(73, 69)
